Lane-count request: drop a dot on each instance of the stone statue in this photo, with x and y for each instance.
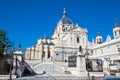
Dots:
(19, 47)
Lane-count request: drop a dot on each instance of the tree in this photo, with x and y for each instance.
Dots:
(4, 42)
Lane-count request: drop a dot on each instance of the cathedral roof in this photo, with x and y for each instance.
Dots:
(64, 19)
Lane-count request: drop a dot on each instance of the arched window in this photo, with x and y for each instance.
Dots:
(115, 34)
(66, 29)
(100, 40)
(48, 54)
(78, 40)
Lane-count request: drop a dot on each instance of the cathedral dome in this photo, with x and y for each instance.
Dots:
(64, 19)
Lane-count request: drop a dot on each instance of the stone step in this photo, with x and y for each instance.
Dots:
(49, 69)
(6, 77)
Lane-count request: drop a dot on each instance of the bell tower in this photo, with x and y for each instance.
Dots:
(98, 38)
(116, 29)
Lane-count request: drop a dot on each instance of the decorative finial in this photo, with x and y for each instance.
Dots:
(98, 33)
(64, 13)
(115, 22)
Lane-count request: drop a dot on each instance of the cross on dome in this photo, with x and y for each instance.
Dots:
(64, 13)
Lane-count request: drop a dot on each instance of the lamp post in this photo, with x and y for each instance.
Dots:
(86, 54)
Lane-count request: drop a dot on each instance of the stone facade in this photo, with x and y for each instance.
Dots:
(65, 41)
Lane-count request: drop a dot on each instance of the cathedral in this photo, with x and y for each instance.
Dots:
(68, 37)
(65, 41)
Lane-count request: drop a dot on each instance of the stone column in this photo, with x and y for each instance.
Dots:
(40, 53)
(46, 53)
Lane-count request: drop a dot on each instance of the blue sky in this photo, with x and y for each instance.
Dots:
(25, 21)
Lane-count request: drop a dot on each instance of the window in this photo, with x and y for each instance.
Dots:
(101, 51)
(115, 34)
(66, 29)
(100, 40)
(48, 54)
(78, 40)
(119, 32)
(58, 35)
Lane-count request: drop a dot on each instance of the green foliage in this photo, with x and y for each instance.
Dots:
(4, 42)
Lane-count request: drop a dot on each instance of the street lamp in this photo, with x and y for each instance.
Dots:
(87, 61)
(11, 61)
(5, 53)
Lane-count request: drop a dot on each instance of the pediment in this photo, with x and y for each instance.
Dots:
(79, 29)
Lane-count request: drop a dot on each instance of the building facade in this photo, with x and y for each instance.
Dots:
(67, 38)
(65, 41)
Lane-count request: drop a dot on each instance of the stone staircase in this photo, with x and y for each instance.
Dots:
(7, 77)
(48, 68)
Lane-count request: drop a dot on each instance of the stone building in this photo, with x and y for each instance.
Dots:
(42, 51)
(67, 38)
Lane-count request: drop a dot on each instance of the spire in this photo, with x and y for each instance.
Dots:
(116, 23)
(64, 13)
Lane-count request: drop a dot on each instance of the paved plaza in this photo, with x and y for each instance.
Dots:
(53, 77)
